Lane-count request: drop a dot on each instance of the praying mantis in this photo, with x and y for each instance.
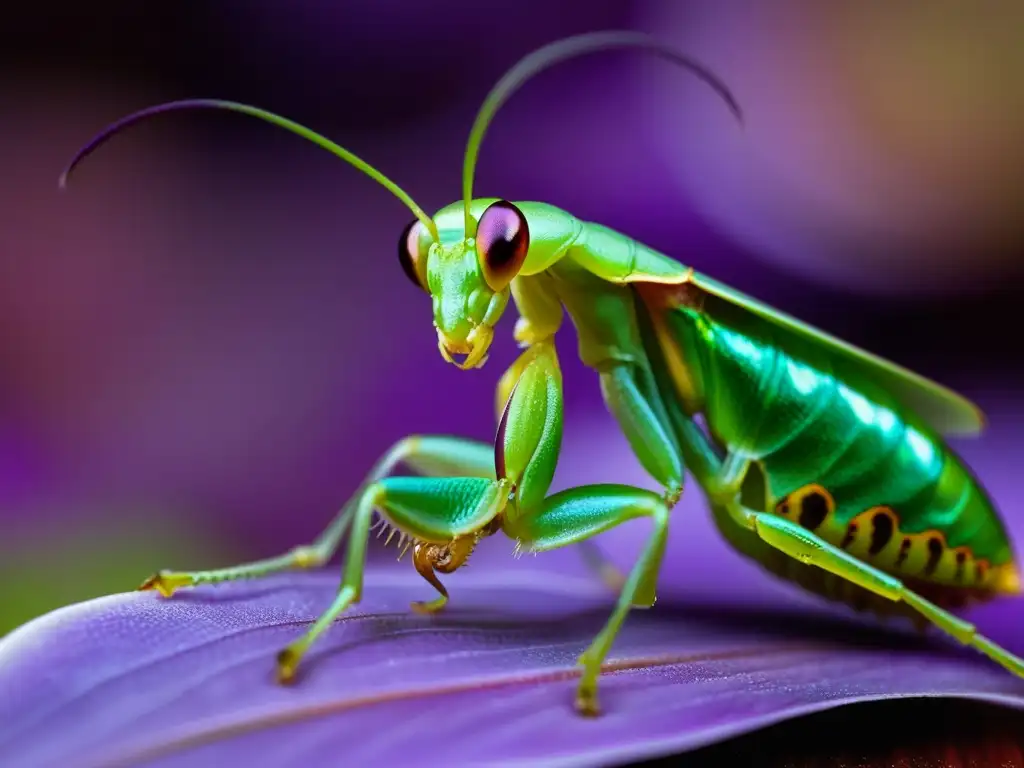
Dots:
(822, 462)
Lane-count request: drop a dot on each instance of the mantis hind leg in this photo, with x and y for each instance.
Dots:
(721, 478)
(431, 455)
(574, 515)
(799, 543)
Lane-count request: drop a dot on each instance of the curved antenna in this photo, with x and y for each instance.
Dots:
(555, 53)
(262, 114)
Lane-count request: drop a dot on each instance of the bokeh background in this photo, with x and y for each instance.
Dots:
(207, 340)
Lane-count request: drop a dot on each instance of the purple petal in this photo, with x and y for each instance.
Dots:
(190, 680)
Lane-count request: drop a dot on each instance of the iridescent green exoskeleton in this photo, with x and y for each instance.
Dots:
(823, 462)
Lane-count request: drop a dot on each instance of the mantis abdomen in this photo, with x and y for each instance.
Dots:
(843, 462)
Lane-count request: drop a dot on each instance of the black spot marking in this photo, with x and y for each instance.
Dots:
(783, 507)
(935, 550)
(881, 532)
(904, 551)
(961, 558)
(813, 510)
(851, 534)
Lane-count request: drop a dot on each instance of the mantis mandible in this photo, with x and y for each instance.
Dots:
(821, 461)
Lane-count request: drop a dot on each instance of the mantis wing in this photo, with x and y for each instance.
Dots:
(942, 409)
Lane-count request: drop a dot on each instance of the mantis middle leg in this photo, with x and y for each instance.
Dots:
(638, 414)
(573, 516)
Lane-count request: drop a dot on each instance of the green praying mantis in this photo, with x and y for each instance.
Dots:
(822, 462)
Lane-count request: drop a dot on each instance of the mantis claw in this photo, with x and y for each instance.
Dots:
(586, 701)
(166, 582)
(429, 607)
(425, 558)
(586, 693)
(287, 662)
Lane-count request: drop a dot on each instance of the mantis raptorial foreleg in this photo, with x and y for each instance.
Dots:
(607, 571)
(527, 450)
(450, 515)
(612, 348)
(647, 436)
(431, 455)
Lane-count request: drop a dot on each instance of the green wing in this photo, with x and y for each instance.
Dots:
(614, 257)
(944, 410)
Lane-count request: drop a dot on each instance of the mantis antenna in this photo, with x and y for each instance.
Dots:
(555, 53)
(262, 114)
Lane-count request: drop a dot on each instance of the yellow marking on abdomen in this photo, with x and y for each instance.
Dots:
(874, 536)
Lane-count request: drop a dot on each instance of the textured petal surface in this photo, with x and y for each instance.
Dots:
(188, 681)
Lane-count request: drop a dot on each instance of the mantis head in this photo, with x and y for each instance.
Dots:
(466, 277)
(466, 267)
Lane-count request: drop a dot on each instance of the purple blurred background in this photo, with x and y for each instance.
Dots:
(207, 340)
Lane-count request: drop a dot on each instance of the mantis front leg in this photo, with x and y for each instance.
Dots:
(446, 517)
(610, 344)
(528, 441)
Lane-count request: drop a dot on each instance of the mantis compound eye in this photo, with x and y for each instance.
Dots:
(412, 253)
(502, 242)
